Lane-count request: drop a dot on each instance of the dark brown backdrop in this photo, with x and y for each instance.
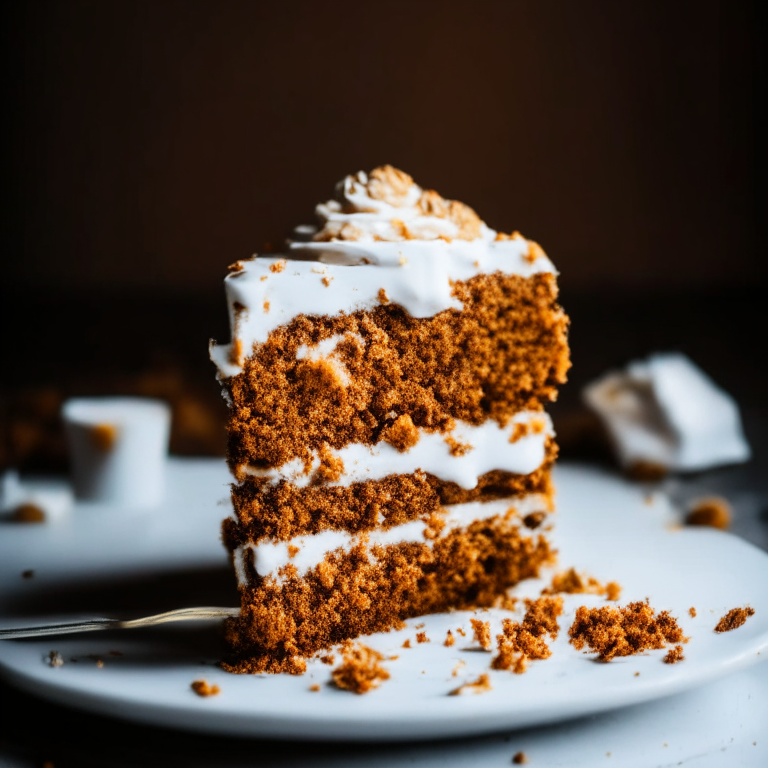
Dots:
(156, 142)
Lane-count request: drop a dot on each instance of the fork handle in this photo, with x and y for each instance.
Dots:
(92, 625)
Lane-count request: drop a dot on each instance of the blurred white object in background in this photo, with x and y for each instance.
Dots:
(38, 501)
(665, 411)
(118, 449)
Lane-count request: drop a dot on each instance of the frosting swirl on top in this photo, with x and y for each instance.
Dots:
(387, 205)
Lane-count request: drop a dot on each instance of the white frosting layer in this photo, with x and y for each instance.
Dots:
(667, 411)
(490, 449)
(415, 274)
(270, 556)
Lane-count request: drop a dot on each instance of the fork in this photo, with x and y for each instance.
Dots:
(91, 625)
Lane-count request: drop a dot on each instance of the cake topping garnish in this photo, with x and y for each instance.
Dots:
(386, 204)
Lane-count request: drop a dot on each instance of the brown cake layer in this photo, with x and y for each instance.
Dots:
(505, 352)
(284, 510)
(351, 594)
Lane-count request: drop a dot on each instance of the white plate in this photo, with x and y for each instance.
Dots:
(605, 527)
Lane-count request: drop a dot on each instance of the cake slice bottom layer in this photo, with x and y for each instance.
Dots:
(370, 589)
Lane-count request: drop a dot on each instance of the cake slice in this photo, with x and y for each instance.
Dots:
(391, 456)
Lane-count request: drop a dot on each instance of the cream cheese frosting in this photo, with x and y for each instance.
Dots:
(487, 447)
(270, 556)
(380, 240)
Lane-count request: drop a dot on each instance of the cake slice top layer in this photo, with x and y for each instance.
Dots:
(408, 246)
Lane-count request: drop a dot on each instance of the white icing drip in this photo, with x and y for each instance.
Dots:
(270, 556)
(416, 274)
(491, 449)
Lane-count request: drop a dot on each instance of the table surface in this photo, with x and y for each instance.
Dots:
(33, 731)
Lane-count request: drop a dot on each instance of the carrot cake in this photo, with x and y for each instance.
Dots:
(386, 380)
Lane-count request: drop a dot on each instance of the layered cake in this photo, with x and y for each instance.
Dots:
(386, 380)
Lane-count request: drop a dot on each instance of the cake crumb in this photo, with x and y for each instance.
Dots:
(204, 689)
(535, 251)
(266, 307)
(692, 612)
(27, 574)
(54, 659)
(524, 641)
(28, 513)
(420, 626)
(482, 631)
(421, 637)
(314, 688)
(361, 671)
(481, 685)
(328, 658)
(712, 511)
(407, 644)
(278, 266)
(521, 758)
(506, 602)
(734, 619)
(571, 582)
(449, 639)
(99, 664)
(383, 298)
(674, 655)
(461, 631)
(613, 632)
(612, 591)
(637, 674)
(457, 448)
(327, 281)
(458, 667)
(293, 550)
(534, 520)
(401, 434)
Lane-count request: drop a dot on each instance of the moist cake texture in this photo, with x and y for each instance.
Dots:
(387, 378)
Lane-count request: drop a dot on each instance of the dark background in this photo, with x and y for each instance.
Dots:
(153, 143)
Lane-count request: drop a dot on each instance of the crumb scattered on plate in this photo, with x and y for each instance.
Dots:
(674, 655)
(204, 689)
(360, 672)
(526, 640)
(482, 631)
(712, 511)
(481, 685)
(613, 632)
(734, 619)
